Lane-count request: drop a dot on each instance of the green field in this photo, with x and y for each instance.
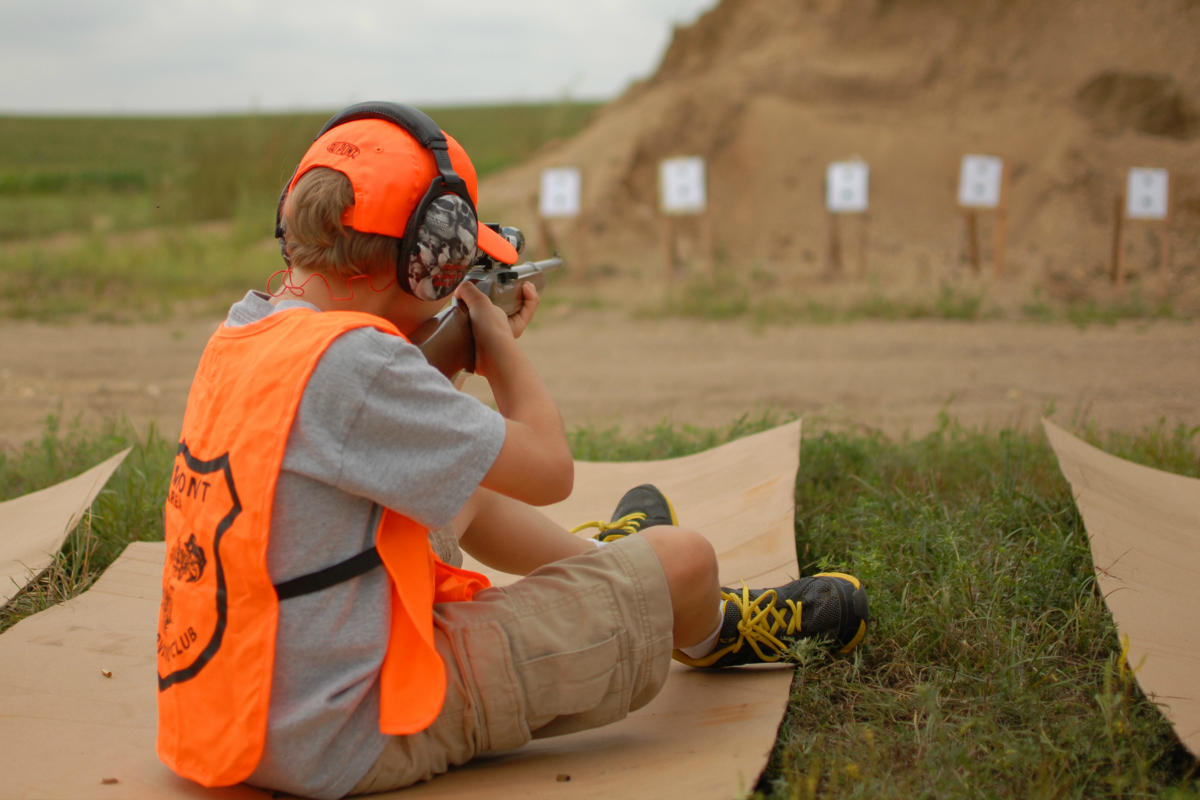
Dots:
(733, 296)
(992, 668)
(121, 173)
(129, 218)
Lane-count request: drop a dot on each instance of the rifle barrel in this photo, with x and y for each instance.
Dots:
(534, 267)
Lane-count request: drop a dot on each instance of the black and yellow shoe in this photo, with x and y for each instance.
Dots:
(642, 507)
(760, 624)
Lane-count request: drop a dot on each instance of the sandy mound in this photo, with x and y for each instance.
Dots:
(1071, 93)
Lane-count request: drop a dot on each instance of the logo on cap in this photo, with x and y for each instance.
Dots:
(344, 149)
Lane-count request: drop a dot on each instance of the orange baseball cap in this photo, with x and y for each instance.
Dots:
(391, 172)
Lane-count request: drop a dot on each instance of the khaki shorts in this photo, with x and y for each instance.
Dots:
(577, 644)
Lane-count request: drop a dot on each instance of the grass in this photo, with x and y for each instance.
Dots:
(664, 440)
(129, 509)
(148, 276)
(992, 667)
(1082, 313)
(725, 298)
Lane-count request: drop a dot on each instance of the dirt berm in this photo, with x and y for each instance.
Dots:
(1072, 94)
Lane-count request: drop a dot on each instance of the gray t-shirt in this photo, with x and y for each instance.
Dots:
(376, 427)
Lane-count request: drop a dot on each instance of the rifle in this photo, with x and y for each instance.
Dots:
(446, 340)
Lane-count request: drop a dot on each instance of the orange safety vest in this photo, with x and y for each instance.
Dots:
(217, 620)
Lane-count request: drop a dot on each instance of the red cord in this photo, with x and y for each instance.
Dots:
(286, 285)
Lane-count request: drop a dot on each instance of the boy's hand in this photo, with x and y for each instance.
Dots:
(494, 332)
(520, 320)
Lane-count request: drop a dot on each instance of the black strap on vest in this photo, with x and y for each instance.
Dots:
(340, 572)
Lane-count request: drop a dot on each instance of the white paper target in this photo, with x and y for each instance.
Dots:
(1146, 196)
(681, 185)
(979, 181)
(846, 187)
(561, 190)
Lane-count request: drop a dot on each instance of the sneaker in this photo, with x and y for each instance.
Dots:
(760, 624)
(642, 507)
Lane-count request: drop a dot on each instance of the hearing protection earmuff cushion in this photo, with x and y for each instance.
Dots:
(443, 248)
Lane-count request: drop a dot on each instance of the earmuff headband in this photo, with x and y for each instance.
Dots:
(417, 123)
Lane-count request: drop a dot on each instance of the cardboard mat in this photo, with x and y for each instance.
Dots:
(34, 526)
(1144, 529)
(741, 496)
(65, 727)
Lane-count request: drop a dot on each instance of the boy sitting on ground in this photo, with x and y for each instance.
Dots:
(317, 635)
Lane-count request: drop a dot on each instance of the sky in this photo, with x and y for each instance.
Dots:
(202, 56)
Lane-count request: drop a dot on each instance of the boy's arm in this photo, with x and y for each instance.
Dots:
(534, 464)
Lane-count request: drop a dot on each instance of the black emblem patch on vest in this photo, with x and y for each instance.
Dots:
(188, 561)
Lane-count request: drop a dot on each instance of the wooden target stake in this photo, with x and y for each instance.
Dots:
(668, 249)
(846, 195)
(864, 241)
(580, 254)
(1001, 224)
(682, 191)
(547, 241)
(973, 239)
(984, 186)
(835, 246)
(974, 252)
(706, 244)
(561, 197)
(1121, 223)
(1116, 272)
(1164, 265)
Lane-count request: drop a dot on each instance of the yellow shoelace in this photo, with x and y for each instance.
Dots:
(761, 620)
(628, 524)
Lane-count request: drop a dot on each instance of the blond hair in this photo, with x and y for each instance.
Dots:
(314, 234)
